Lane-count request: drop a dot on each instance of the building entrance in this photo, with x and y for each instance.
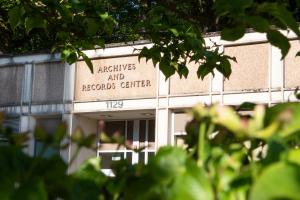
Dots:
(138, 134)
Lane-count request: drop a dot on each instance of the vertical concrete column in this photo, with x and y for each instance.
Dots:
(88, 126)
(69, 82)
(163, 84)
(163, 127)
(135, 143)
(65, 153)
(27, 84)
(162, 111)
(217, 87)
(276, 73)
(217, 81)
(27, 124)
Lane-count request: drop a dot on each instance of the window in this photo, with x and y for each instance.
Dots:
(12, 124)
(179, 122)
(49, 125)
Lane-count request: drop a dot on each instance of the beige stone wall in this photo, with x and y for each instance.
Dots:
(115, 78)
(191, 84)
(251, 70)
(292, 66)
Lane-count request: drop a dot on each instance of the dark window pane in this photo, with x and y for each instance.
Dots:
(3, 141)
(49, 125)
(50, 151)
(142, 157)
(108, 158)
(142, 132)
(129, 157)
(150, 155)
(151, 131)
(129, 132)
(151, 134)
(114, 128)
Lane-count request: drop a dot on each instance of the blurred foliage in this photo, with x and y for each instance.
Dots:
(176, 28)
(227, 156)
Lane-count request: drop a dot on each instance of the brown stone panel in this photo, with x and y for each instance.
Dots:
(11, 78)
(191, 84)
(292, 66)
(251, 70)
(48, 85)
(115, 78)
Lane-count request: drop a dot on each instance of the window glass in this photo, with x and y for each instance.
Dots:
(107, 158)
(49, 125)
(12, 125)
(129, 132)
(111, 129)
(142, 133)
(151, 134)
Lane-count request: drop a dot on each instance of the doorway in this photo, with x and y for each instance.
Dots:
(138, 134)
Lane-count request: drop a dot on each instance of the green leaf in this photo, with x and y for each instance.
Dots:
(88, 61)
(232, 34)
(34, 22)
(15, 16)
(282, 14)
(280, 41)
(90, 170)
(92, 26)
(33, 190)
(258, 23)
(293, 156)
(288, 115)
(228, 118)
(204, 70)
(174, 31)
(60, 132)
(279, 181)
(166, 68)
(224, 67)
(69, 55)
(233, 7)
(170, 175)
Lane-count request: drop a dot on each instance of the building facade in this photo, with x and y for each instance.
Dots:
(133, 97)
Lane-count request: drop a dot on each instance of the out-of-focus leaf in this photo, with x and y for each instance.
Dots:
(266, 186)
(228, 118)
(258, 23)
(15, 16)
(34, 22)
(293, 156)
(232, 34)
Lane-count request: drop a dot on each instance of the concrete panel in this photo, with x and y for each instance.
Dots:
(88, 126)
(251, 70)
(11, 79)
(115, 78)
(292, 66)
(180, 121)
(190, 85)
(48, 85)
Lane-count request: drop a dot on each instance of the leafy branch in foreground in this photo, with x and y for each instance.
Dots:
(226, 156)
(176, 28)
